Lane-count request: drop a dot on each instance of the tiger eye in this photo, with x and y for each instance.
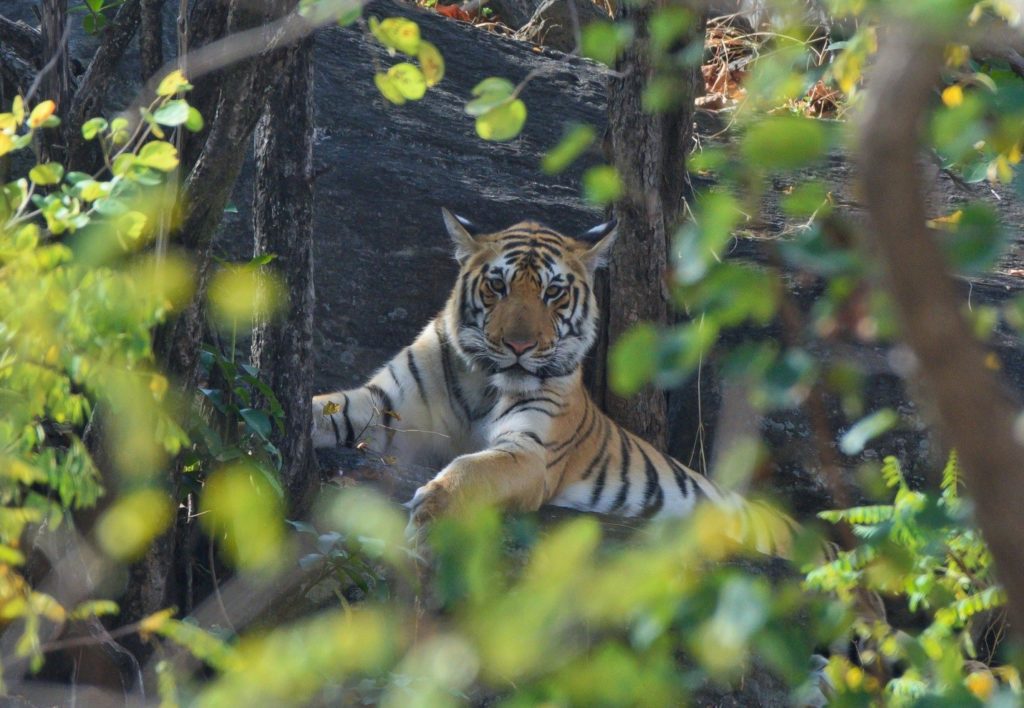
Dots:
(497, 285)
(554, 291)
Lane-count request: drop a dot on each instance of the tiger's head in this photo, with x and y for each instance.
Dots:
(523, 308)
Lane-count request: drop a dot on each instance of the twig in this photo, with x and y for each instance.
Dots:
(50, 65)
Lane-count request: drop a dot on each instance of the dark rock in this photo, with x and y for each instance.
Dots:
(514, 13)
(556, 23)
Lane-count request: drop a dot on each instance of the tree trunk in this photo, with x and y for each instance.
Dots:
(649, 152)
(976, 410)
(283, 225)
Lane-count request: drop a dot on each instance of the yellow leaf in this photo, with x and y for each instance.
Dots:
(159, 155)
(8, 123)
(40, 113)
(408, 80)
(953, 95)
(982, 684)
(158, 386)
(152, 624)
(388, 89)
(18, 109)
(431, 63)
(330, 408)
(6, 144)
(945, 222)
(172, 83)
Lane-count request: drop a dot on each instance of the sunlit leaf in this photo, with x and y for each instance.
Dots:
(502, 123)
(431, 63)
(241, 507)
(41, 113)
(128, 527)
(408, 80)
(490, 93)
(93, 127)
(172, 84)
(173, 113)
(397, 33)
(388, 88)
(46, 174)
(158, 155)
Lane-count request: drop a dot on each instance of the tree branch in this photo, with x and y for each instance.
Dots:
(22, 39)
(974, 407)
(93, 86)
(151, 37)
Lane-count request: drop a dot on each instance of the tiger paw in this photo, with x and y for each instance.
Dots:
(430, 502)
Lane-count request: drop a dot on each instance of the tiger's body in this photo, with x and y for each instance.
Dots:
(491, 391)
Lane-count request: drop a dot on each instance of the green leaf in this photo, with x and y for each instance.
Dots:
(977, 240)
(604, 41)
(94, 23)
(46, 174)
(92, 127)
(699, 242)
(257, 420)
(173, 113)
(194, 123)
(502, 123)
(866, 429)
(490, 93)
(575, 141)
(784, 143)
(158, 155)
(633, 360)
(601, 185)
(408, 80)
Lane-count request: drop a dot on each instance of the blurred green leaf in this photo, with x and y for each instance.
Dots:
(602, 185)
(784, 143)
(574, 143)
(854, 440)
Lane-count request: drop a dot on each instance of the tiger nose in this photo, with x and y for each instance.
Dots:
(520, 346)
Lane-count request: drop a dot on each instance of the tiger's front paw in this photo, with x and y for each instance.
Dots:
(430, 502)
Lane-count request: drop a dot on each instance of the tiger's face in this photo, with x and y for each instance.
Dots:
(523, 308)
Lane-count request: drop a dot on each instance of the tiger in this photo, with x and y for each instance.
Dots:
(491, 392)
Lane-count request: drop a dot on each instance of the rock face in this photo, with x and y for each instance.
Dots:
(385, 171)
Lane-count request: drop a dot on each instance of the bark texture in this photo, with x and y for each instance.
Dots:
(976, 410)
(283, 225)
(649, 152)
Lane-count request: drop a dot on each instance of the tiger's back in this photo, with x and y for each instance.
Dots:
(491, 390)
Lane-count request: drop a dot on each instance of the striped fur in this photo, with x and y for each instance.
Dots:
(512, 424)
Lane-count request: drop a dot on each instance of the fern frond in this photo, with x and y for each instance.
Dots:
(866, 515)
(951, 475)
(987, 599)
(891, 472)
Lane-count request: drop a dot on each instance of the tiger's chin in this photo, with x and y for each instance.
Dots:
(516, 380)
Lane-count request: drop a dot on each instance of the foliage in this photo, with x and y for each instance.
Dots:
(78, 301)
(922, 550)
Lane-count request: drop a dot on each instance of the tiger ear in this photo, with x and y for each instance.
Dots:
(463, 234)
(600, 240)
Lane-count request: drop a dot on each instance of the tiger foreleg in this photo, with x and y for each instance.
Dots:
(511, 475)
